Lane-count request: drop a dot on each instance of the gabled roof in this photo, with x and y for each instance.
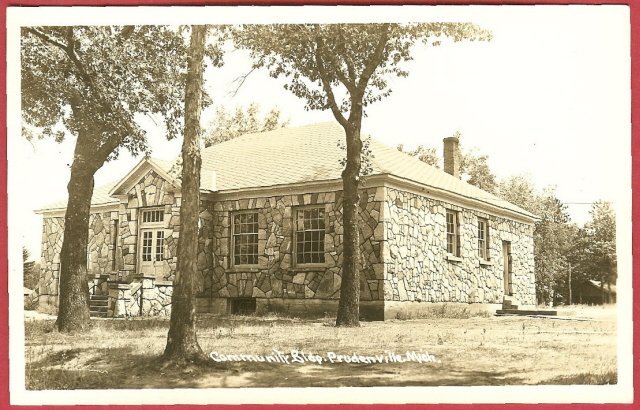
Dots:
(298, 155)
(598, 285)
(161, 167)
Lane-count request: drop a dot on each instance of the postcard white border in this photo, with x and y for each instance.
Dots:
(24, 16)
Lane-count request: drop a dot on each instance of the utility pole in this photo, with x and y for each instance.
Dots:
(570, 295)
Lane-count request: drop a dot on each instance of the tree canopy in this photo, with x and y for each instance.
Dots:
(226, 126)
(98, 78)
(332, 65)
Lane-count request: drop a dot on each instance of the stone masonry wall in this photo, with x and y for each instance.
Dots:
(102, 242)
(52, 235)
(276, 275)
(417, 268)
(124, 299)
(151, 191)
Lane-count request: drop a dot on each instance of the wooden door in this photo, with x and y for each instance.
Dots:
(508, 267)
(151, 256)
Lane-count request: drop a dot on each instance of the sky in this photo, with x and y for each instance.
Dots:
(548, 97)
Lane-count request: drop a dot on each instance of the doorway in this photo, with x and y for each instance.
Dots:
(508, 268)
(151, 252)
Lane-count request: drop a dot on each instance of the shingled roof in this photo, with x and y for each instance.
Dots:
(310, 153)
(313, 153)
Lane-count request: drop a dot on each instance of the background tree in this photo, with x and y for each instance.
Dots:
(344, 68)
(474, 167)
(475, 170)
(554, 236)
(599, 257)
(182, 343)
(424, 154)
(89, 83)
(519, 190)
(226, 126)
(29, 270)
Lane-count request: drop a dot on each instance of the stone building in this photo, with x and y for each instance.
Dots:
(271, 233)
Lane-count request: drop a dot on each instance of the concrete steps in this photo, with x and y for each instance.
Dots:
(510, 307)
(503, 312)
(99, 306)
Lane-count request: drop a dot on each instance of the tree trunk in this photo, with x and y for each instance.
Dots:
(73, 308)
(182, 343)
(349, 304)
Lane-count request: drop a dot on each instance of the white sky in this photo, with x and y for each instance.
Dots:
(548, 97)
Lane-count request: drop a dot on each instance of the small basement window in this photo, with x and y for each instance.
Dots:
(243, 306)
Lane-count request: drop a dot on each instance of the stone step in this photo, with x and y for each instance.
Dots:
(502, 312)
(98, 308)
(99, 297)
(100, 304)
(97, 314)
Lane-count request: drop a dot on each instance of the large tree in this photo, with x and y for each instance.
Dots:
(344, 68)
(182, 343)
(89, 83)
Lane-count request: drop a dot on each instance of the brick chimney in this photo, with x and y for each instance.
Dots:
(452, 156)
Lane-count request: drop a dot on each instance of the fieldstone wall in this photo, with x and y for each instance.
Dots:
(276, 275)
(416, 264)
(102, 242)
(100, 255)
(52, 236)
(125, 299)
(151, 191)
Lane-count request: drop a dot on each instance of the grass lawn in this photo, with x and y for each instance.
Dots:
(466, 351)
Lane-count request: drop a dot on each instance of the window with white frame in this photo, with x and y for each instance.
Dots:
(152, 235)
(310, 232)
(483, 239)
(152, 215)
(147, 245)
(245, 238)
(159, 245)
(453, 233)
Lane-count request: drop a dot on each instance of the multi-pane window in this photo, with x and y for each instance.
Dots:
(483, 239)
(453, 233)
(147, 243)
(310, 231)
(159, 245)
(245, 238)
(153, 215)
(152, 236)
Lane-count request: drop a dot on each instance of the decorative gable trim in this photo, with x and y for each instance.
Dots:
(137, 173)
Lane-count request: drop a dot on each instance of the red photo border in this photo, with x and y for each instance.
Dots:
(635, 148)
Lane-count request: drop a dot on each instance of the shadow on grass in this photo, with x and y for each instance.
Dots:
(114, 368)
